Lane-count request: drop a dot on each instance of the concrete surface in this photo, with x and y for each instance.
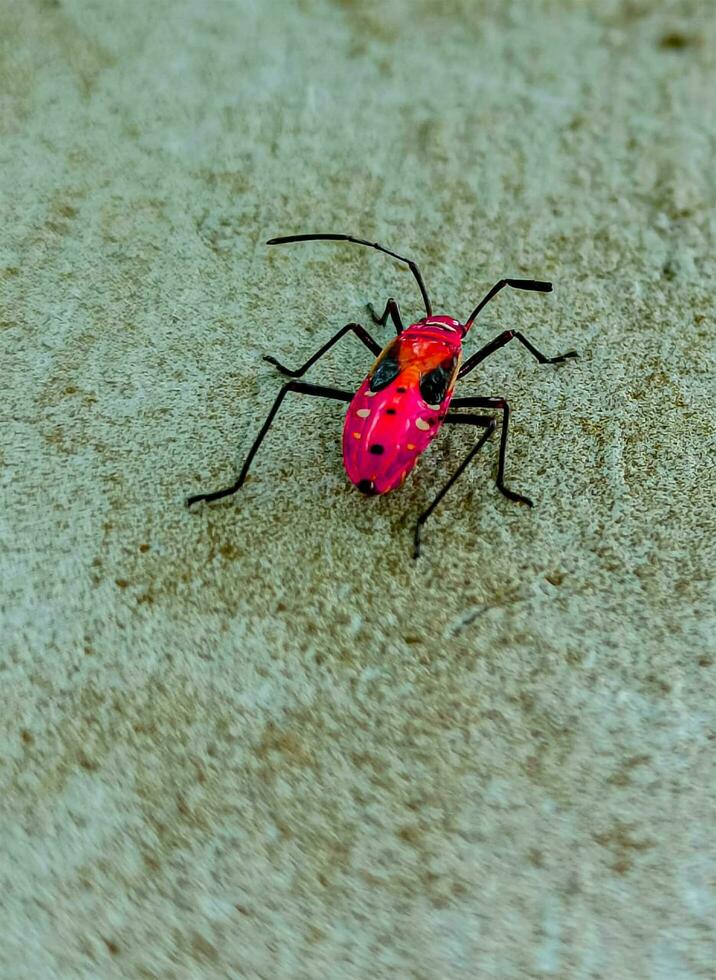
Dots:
(257, 740)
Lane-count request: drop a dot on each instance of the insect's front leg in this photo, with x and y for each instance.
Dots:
(391, 310)
(360, 332)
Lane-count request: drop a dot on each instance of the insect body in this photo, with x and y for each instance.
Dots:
(399, 409)
(408, 394)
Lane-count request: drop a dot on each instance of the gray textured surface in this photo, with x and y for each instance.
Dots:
(257, 740)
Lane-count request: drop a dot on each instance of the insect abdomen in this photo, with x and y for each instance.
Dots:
(383, 436)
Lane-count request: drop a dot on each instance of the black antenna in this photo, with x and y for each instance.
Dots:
(540, 287)
(359, 241)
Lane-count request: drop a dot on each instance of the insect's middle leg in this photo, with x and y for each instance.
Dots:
(391, 310)
(501, 405)
(489, 425)
(360, 332)
(300, 386)
(500, 341)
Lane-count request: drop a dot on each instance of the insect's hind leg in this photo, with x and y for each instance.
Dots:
(391, 310)
(500, 405)
(489, 425)
(300, 386)
(360, 332)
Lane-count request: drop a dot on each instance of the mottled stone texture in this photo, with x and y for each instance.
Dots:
(257, 740)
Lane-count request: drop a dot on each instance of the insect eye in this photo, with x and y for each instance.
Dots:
(434, 384)
(387, 370)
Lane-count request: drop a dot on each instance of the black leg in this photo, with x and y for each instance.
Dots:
(301, 386)
(357, 329)
(490, 425)
(501, 405)
(505, 338)
(391, 310)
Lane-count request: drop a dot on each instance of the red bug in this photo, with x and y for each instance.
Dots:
(408, 393)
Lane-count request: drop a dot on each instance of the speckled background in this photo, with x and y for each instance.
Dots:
(257, 740)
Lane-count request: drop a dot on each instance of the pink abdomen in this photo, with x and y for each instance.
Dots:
(384, 433)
